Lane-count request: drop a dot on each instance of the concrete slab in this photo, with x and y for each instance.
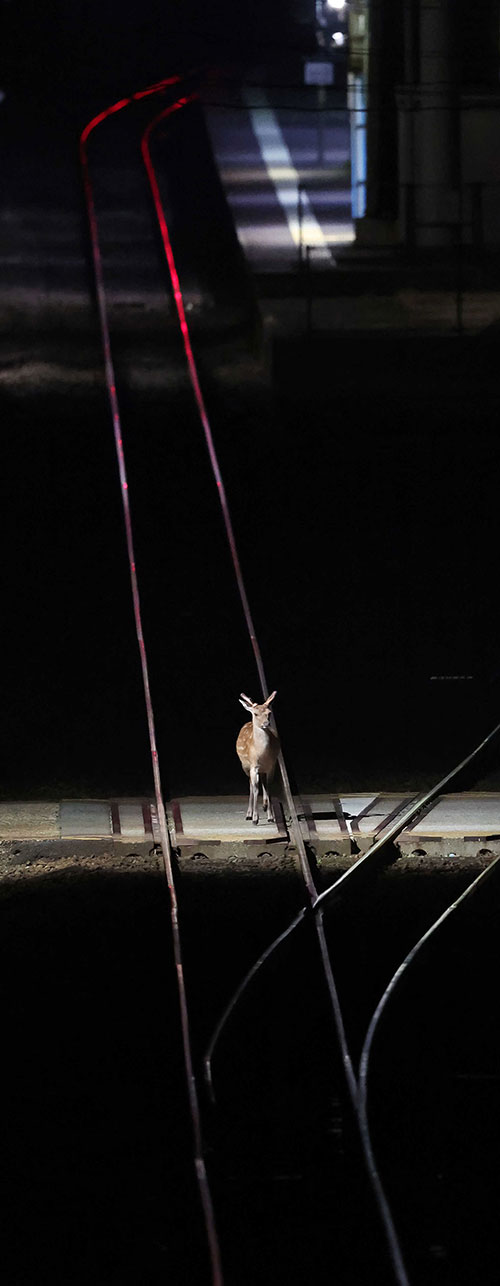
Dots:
(354, 804)
(29, 819)
(209, 819)
(363, 814)
(320, 818)
(223, 818)
(85, 819)
(131, 821)
(461, 815)
(371, 820)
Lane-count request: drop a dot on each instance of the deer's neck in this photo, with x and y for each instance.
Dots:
(260, 738)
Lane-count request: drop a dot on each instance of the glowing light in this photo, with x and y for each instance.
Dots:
(271, 237)
(338, 38)
(303, 229)
(124, 102)
(335, 4)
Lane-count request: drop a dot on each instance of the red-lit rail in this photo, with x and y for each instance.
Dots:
(357, 1084)
(314, 902)
(200, 1168)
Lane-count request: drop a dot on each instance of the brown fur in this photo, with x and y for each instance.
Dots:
(258, 748)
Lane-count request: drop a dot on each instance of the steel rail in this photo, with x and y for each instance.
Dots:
(207, 1061)
(347, 1063)
(411, 811)
(401, 971)
(199, 1161)
(221, 490)
(389, 833)
(398, 824)
(384, 838)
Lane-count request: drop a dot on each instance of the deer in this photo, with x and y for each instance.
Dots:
(258, 748)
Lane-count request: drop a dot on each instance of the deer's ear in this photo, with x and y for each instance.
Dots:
(269, 699)
(246, 702)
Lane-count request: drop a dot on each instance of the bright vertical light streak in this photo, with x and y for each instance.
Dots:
(278, 162)
(200, 1168)
(356, 101)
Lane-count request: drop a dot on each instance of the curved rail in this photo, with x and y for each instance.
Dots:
(199, 1162)
(402, 969)
(364, 1064)
(366, 859)
(389, 833)
(409, 813)
(356, 1085)
(351, 1082)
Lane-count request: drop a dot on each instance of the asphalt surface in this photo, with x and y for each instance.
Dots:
(278, 151)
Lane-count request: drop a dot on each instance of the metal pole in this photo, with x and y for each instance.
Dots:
(460, 283)
(300, 221)
(308, 293)
(460, 289)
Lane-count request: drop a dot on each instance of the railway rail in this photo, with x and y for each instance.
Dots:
(363, 831)
(337, 829)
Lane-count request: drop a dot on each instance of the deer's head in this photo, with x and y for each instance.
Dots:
(261, 714)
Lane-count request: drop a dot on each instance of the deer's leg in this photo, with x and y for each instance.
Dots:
(254, 794)
(248, 817)
(267, 798)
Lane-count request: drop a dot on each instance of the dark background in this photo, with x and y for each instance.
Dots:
(364, 490)
(363, 485)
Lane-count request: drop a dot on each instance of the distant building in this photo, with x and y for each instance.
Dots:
(424, 98)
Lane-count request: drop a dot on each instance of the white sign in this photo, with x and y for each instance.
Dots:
(318, 73)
